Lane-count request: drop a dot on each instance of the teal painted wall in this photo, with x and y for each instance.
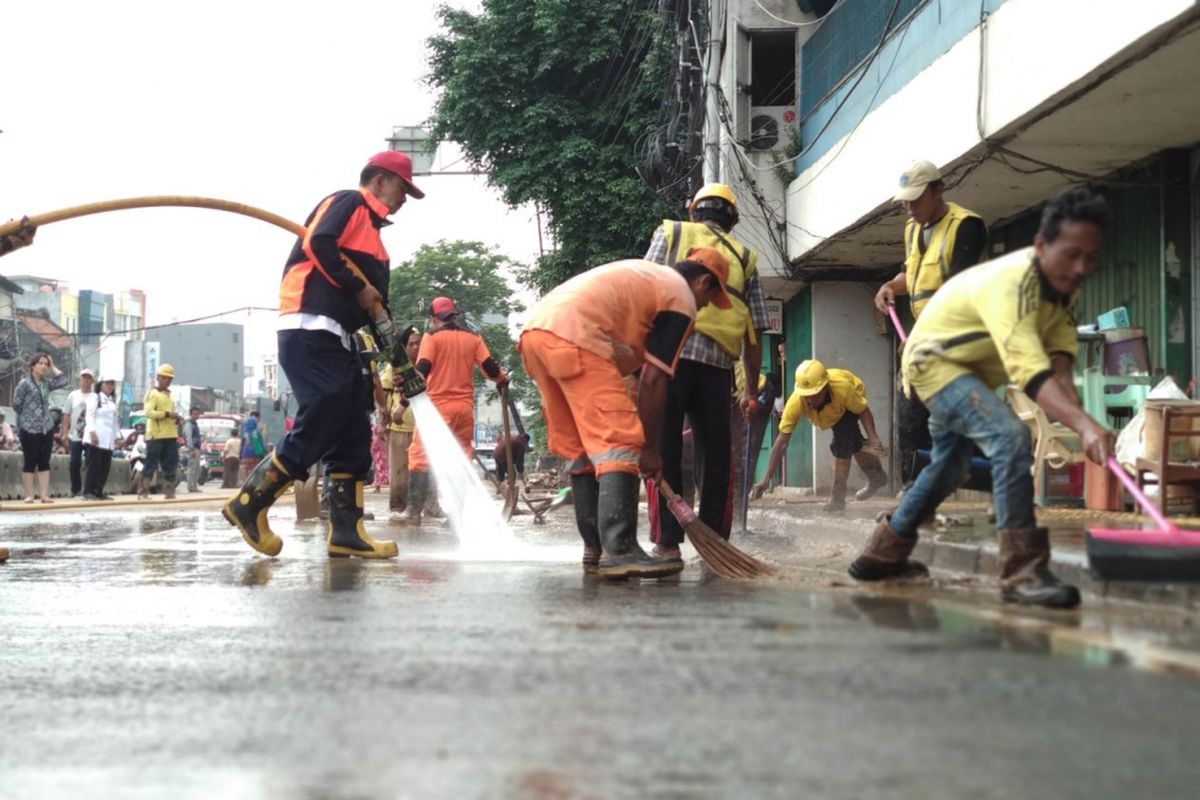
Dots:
(797, 331)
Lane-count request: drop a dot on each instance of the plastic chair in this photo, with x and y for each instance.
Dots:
(1053, 443)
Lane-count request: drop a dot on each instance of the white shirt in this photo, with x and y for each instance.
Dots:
(303, 321)
(101, 419)
(77, 402)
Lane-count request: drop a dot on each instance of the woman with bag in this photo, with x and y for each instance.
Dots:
(100, 434)
(253, 448)
(35, 424)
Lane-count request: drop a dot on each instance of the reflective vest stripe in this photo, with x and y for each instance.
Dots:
(726, 327)
(925, 272)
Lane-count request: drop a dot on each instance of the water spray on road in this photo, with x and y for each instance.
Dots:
(473, 512)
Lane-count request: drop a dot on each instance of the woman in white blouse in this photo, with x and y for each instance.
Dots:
(99, 434)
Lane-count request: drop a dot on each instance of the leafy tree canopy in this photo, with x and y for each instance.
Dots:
(550, 98)
(473, 275)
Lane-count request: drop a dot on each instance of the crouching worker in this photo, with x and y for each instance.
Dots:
(335, 278)
(837, 399)
(1009, 320)
(580, 342)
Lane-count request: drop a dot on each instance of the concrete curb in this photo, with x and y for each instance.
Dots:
(102, 504)
(940, 552)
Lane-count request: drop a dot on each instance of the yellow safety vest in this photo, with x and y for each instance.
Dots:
(925, 273)
(726, 327)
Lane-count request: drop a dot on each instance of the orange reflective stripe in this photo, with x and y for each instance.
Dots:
(291, 289)
(306, 244)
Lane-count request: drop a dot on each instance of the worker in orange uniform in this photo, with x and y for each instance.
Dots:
(334, 280)
(579, 343)
(447, 360)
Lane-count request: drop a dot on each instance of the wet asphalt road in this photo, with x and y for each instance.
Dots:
(151, 654)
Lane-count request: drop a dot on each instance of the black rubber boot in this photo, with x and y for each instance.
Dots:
(346, 534)
(617, 519)
(247, 510)
(876, 476)
(885, 556)
(418, 490)
(1025, 575)
(585, 493)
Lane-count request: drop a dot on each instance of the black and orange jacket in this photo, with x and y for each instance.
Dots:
(341, 251)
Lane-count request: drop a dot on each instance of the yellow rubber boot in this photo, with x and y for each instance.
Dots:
(247, 510)
(347, 537)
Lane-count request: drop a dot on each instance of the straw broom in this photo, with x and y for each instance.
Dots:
(721, 557)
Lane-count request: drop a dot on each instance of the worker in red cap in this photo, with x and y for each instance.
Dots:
(333, 283)
(447, 360)
(579, 343)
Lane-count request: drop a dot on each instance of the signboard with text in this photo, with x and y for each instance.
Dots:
(775, 315)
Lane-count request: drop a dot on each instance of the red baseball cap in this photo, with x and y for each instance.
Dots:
(397, 164)
(442, 307)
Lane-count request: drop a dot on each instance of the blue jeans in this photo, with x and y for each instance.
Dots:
(963, 413)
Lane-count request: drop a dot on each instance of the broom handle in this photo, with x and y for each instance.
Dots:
(896, 321)
(512, 468)
(679, 508)
(1143, 501)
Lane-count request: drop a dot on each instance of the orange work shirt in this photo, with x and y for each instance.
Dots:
(452, 354)
(647, 307)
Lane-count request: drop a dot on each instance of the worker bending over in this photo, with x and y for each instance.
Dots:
(580, 341)
(837, 399)
(1009, 320)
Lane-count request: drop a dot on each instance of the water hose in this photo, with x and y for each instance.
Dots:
(381, 321)
(153, 201)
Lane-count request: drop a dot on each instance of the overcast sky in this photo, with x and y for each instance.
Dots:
(274, 104)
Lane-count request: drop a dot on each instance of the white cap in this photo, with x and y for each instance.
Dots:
(914, 180)
(87, 372)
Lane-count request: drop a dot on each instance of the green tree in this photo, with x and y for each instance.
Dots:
(473, 275)
(549, 98)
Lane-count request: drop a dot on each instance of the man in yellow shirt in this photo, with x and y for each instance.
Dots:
(837, 399)
(162, 433)
(1011, 320)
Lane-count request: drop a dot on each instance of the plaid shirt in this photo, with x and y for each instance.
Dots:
(699, 347)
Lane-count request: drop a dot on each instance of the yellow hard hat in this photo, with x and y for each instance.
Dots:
(166, 371)
(715, 191)
(811, 377)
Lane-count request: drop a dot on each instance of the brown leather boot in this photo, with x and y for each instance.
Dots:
(1025, 575)
(841, 473)
(3, 554)
(876, 477)
(885, 556)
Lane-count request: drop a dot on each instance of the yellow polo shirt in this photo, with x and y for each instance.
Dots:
(160, 415)
(999, 321)
(408, 424)
(846, 393)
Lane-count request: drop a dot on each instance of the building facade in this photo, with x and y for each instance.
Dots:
(1014, 100)
(209, 354)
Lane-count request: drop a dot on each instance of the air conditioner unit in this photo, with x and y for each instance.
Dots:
(772, 127)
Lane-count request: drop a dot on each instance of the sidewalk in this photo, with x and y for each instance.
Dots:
(965, 542)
